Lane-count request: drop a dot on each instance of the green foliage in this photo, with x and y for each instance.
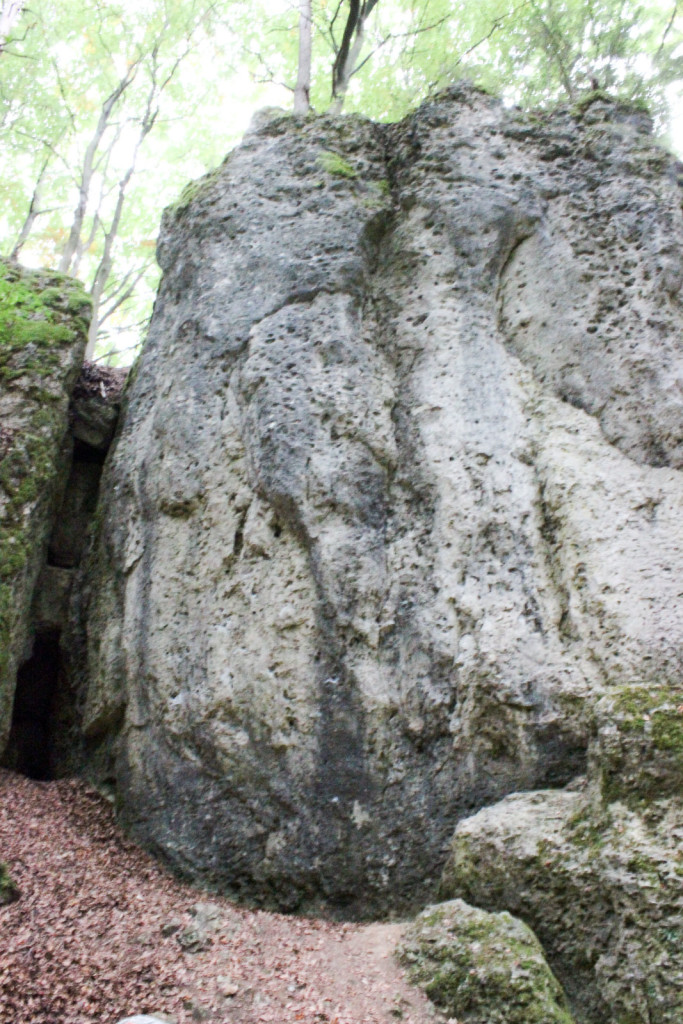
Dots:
(533, 52)
(192, 64)
(55, 80)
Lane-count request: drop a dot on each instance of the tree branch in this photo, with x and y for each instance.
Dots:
(339, 66)
(87, 171)
(33, 213)
(666, 31)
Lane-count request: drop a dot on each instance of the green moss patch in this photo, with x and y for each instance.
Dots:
(38, 315)
(639, 749)
(193, 190)
(333, 163)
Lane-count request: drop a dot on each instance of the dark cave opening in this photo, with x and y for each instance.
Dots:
(30, 744)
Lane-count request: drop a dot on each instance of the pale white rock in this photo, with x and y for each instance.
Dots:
(145, 1018)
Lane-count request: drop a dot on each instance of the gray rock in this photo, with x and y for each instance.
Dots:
(208, 919)
(96, 405)
(482, 968)
(68, 538)
(43, 331)
(193, 939)
(51, 598)
(600, 886)
(382, 524)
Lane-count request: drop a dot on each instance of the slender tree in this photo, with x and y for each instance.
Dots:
(349, 50)
(302, 90)
(90, 148)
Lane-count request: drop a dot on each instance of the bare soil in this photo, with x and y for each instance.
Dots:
(101, 931)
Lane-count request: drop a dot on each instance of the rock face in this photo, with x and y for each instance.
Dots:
(43, 331)
(396, 499)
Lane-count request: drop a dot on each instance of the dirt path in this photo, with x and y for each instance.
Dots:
(101, 932)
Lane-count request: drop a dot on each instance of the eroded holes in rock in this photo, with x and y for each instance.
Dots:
(30, 745)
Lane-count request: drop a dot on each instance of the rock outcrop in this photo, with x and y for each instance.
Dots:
(597, 869)
(44, 321)
(396, 498)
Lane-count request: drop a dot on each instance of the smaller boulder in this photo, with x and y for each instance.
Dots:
(482, 968)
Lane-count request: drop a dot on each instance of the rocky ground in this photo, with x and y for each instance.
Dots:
(101, 931)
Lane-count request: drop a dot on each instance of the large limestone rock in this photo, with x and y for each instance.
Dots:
(43, 332)
(396, 498)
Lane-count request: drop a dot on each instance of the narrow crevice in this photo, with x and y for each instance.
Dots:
(549, 528)
(78, 506)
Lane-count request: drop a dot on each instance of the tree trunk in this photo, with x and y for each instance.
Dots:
(71, 246)
(104, 268)
(302, 97)
(346, 61)
(345, 72)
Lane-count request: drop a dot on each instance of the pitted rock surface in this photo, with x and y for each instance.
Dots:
(396, 498)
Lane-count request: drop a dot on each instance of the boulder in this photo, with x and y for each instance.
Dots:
(482, 968)
(601, 888)
(395, 501)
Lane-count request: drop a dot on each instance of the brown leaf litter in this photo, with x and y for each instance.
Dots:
(101, 931)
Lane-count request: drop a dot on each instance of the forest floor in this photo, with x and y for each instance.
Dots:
(101, 931)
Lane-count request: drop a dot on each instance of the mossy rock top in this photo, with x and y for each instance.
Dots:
(39, 314)
(638, 751)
